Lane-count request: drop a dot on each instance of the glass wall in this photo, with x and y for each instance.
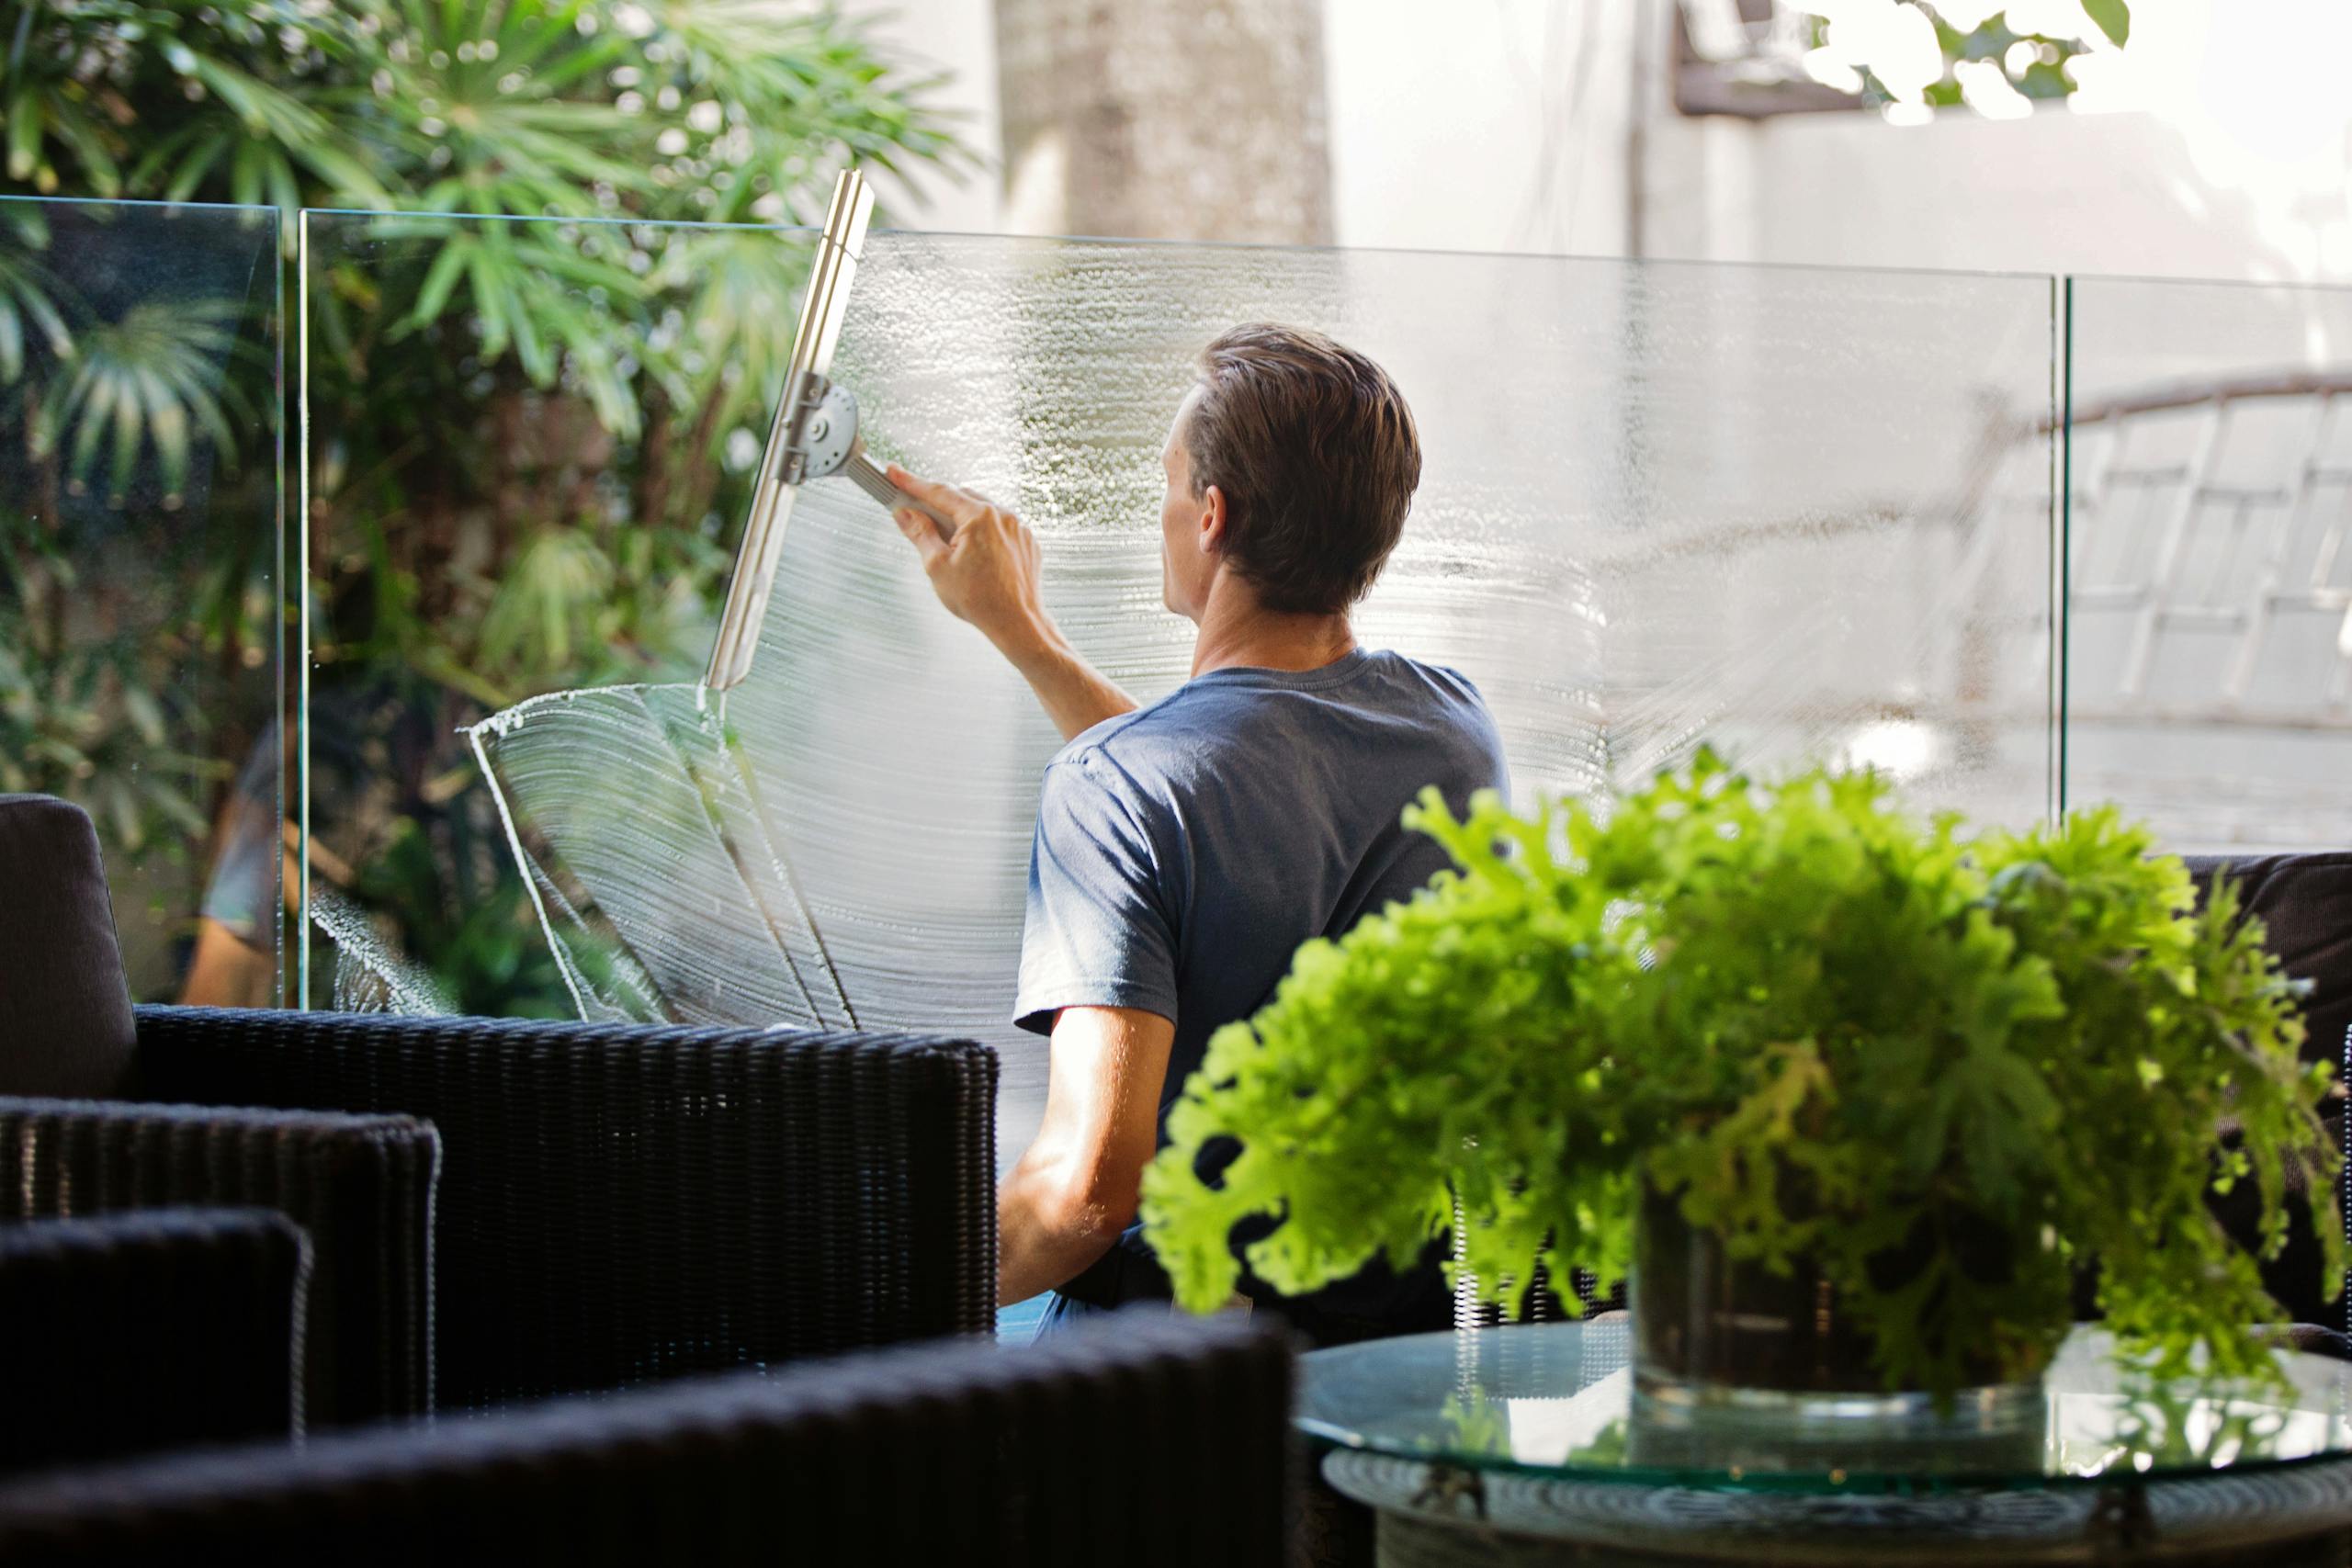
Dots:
(2208, 496)
(1790, 512)
(140, 544)
(526, 446)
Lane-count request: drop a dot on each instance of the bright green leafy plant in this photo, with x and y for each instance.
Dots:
(1827, 1030)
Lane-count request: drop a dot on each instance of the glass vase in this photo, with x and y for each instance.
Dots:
(1728, 1352)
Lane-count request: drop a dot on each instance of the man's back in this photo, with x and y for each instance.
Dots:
(1184, 851)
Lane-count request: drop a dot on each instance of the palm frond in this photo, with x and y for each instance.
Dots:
(139, 383)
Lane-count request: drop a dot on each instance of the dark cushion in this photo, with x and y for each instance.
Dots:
(66, 1026)
(122, 1334)
(2306, 903)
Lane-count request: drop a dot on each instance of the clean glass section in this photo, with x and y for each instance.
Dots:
(2210, 640)
(1790, 512)
(139, 569)
(524, 446)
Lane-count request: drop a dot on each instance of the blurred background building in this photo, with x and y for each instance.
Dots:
(2215, 142)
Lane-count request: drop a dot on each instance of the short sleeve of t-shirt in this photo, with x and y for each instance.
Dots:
(1098, 931)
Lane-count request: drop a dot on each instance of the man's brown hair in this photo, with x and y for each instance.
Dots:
(1315, 454)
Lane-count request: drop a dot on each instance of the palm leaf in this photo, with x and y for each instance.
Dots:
(26, 289)
(159, 355)
(24, 136)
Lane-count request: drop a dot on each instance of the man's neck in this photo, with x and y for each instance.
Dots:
(1238, 633)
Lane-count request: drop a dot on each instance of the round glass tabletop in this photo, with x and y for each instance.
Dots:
(1557, 1401)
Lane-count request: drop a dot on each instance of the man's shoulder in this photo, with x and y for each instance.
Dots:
(1443, 698)
(1148, 750)
(1136, 764)
(1441, 681)
(1088, 751)
(1445, 678)
(1170, 725)
(1117, 757)
(1205, 725)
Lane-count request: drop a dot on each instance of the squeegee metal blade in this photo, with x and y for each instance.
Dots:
(747, 590)
(831, 272)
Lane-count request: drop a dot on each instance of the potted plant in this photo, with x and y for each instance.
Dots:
(1853, 1096)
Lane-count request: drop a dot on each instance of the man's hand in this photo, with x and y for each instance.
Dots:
(989, 574)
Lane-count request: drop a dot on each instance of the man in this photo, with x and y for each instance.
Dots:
(1183, 851)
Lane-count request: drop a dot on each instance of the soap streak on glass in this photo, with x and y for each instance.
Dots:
(369, 974)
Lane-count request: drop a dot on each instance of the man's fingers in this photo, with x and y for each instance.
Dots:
(961, 506)
(931, 491)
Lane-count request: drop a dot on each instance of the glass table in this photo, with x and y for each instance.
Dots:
(1530, 1445)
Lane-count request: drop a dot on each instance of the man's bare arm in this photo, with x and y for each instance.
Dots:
(1077, 1186)
(988, 575)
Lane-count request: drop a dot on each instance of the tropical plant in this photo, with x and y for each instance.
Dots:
(26, 307)
(1826, 1031)
(527, 436)
(725, 109)
(133, 582)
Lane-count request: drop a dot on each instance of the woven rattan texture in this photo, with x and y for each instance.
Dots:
(359, 1187)
(1144, 1442)
(149, 1330)
(619, 1202)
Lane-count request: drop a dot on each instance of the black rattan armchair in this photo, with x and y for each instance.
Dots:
(1146, 1441)
(619, 1202)
(143, 1331)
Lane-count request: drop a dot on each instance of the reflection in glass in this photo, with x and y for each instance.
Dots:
(2209, 500)
(139, 545)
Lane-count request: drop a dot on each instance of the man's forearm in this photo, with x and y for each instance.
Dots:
(1076, 695)
(1041, 1242)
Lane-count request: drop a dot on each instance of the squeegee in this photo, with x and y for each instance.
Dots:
(814, 436)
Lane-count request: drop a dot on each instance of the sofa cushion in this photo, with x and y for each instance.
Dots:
(66, 1026)
(2306, 902)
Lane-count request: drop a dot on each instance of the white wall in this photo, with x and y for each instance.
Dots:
(957, 39)
(2057, 192)
(1483, 125)
(1502, 125)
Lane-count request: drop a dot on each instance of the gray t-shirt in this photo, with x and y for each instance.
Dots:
(1185, 850)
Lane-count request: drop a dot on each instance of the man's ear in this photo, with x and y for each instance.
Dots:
(1213, 521)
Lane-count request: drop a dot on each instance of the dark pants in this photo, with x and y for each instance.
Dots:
(1124, 1276)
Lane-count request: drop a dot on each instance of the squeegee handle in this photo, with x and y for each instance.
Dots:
(866, 474)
